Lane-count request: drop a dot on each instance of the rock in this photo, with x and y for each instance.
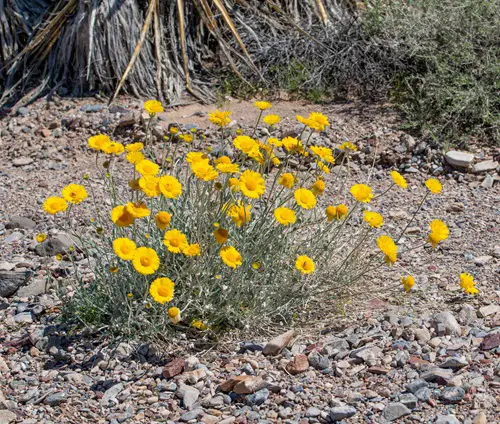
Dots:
(422, 335)
(275, 346)
(92, 108)
(317, 361)
(313, 412)
(298, 364)
(23, 111)
(340, 413)
(258, 398)
(194, 376)
(459, 159)
(56, 399)
(20, 222)
(60, 243)
(491, 341)
(191, 363)
(22, 161)
(378, 370)
(454, 363)
(482, 260)
(249, 385)
(409, 142)
(480, 418)
(447, 419)
(451, 326)
(250, 347)
(423, 394)
(188, 394)
(35, 288)
(467, 315)
(488, 310)
(485, 166)
(395, 410)
(409, 400)
(7, 416)
(191, 415)
(488, 181)
(452, 394)
(367, 353)
(24, 318)
(435, 342)
(173, 368)
(127, 120)
(438, 375)
(111, 393)
(10, 281)
(124, 350)
(247, 369)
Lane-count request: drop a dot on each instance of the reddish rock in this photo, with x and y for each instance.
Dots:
(298, 364)
(173, 368)
(378, 370)
(415, 360)
(228, 385)
(491, 341)
(276, 345)
(250, 385)
(46, 132)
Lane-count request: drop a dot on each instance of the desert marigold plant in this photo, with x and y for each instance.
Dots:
(207, 237)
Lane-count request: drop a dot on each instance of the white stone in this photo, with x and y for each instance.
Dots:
(485, 166)
(459, 159)
(489, 310)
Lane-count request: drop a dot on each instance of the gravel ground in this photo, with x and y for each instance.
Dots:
(431, 356)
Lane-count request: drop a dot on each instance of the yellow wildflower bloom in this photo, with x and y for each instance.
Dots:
(234, 184)
(399, 179)
(204, 171)
(318, 187)
(362, 193)
(468, 284)
(408, 282)
(199, 325)
(113, 148)
(146, 167)
(150, 185)
(224, 165)
(348, 146)
(40, 238)
(305, 198)
(170, 187)
(134, 147)
(239, 213)
(221, 235)
(188, 138)
(175, 241)
(146, 261)
(220, 118)
(162, 220)
(374, 219)
(287, 180)
(124, 248)
(193, 157)
(434, 185)
(274, 142)
(121, 216)
(153, 107)
(174, 314)
(323, 167)
(252, 184)
(54, 205)
(97, 141)
(135, 157)
(74, 193)
(439, 232)
(231, 257)
(271, 119)
(324, 153)
(317, 121)
(263, 105)
(292, 144)
(389, 249)
(162, 290)
(245, 143)
(138, 210)
(285, 216)
(305, 264)
(192, 250)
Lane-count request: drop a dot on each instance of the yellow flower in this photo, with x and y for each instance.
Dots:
(134, 184)
(305, 198)
(174, 314)
(324, 153)
(199, 325)
(54, 205)
(135, 157)
(193, 157)
(399, 179)
(175, 241)
(245, 143)
(224, 165)
(59, 257)
(302, 120)
(348, 146)
(162, 290)
(374, 219)
(318, 121)
(263, 105)
(434, 185)
(192, 250)
(285, 216)
(188, 138)
(257, 155)
(121, 216)
(112, 148)
(318, 187)
(362, 193)
(388, 248)
(331, 213)
(271, 119)
(274, 142)
(275, 160)
(162, 220)
(130, 295)
(170, 187)
(146, 167)
(292, 144)
(204, 171)
(146, 261)
(252, 184)
(97, 141)
(408, 282)
(255, 265)
(74, 193)
(150, 185)
(220, 118)
(153, 107)
(239, 213)
(134, 147)
(287, 180)
(40, 238)
(113, 269)
(124, 248)
(221, 235)
(468, 284)
(439, 232)
(231, 257)
(323, 167)
(173, 129)
(234, 184)
(305, 264)
(138, 210)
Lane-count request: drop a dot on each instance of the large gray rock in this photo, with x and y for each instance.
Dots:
(340, 413)
(447, 419)
(395, 410)
(459, 159)
(7, 416)
(35, 288)
(111, 393)
(451, 326)
(20, 222)
(60, 243)
(485, 166)
(10, 281)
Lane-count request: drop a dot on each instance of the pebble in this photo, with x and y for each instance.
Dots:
(258, 398)
(447, 419)
(340, 413)
(275, 346)
(394, 411)
(452, 394)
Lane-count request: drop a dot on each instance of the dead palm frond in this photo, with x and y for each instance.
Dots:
(148, 48)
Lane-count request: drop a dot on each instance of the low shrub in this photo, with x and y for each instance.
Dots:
(203, 237)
